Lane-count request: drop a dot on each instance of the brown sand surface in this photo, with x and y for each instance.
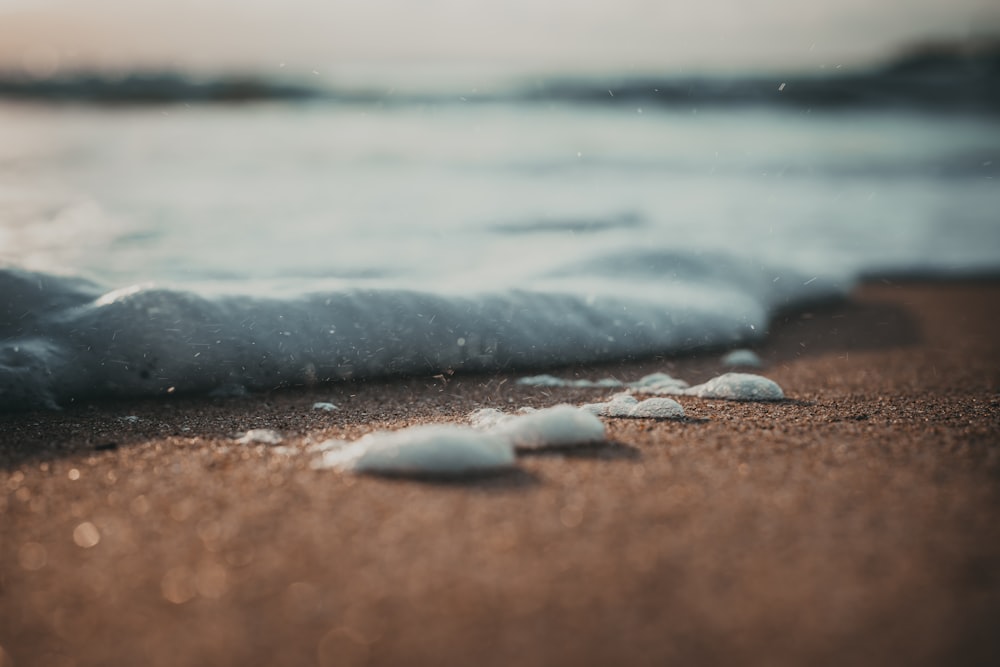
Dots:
(856, 524)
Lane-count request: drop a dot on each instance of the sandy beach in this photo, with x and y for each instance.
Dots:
(857, 523)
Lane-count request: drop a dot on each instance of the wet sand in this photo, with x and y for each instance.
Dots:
(856, 523)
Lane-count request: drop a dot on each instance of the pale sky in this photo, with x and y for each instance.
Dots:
(46, 36)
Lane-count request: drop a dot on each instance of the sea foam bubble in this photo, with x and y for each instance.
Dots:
(619, 405)
(659, 383)
(484, 418)
(626, 406)
(729, 386)
(657, 408)
(546, 380)
(435, 449)
(739, 387)
(558, 426)
(742, 359)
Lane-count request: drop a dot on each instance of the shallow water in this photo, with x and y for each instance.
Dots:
(254, 246)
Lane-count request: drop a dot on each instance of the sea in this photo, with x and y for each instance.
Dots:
(163, 234)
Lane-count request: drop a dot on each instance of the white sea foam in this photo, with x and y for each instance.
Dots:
(654, 383)
(659, 383)
(730, 386)
(657, 408)
(739, 387)
(63, 343)
(742, 359)
(559, 426)
(485, 418)
(450, 450)
(619, 405)
(624, 397)
(546, 380)
(435, 449)
(626, 406)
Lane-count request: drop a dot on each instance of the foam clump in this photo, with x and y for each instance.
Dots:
(657, 408)
(428, 450)
(325, 406)
(619, 405)
(450, 450)
(559, 426)
(487, 418)
(603, 382)
(739, 387)
(553, 381)
(659, 383)
(729, 386)
(260, 436)
(542, 381)
(742, 359)
(626, 406)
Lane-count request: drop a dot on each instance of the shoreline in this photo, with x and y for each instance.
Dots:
(854, 523)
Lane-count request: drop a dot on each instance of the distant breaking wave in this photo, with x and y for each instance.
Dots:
(928, 79)
(150, 88)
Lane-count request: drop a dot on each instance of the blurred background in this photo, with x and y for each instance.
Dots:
(399, 141)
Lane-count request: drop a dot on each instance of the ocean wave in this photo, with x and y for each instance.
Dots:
(64, 340)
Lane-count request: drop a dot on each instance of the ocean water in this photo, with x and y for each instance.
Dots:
(171, 246)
